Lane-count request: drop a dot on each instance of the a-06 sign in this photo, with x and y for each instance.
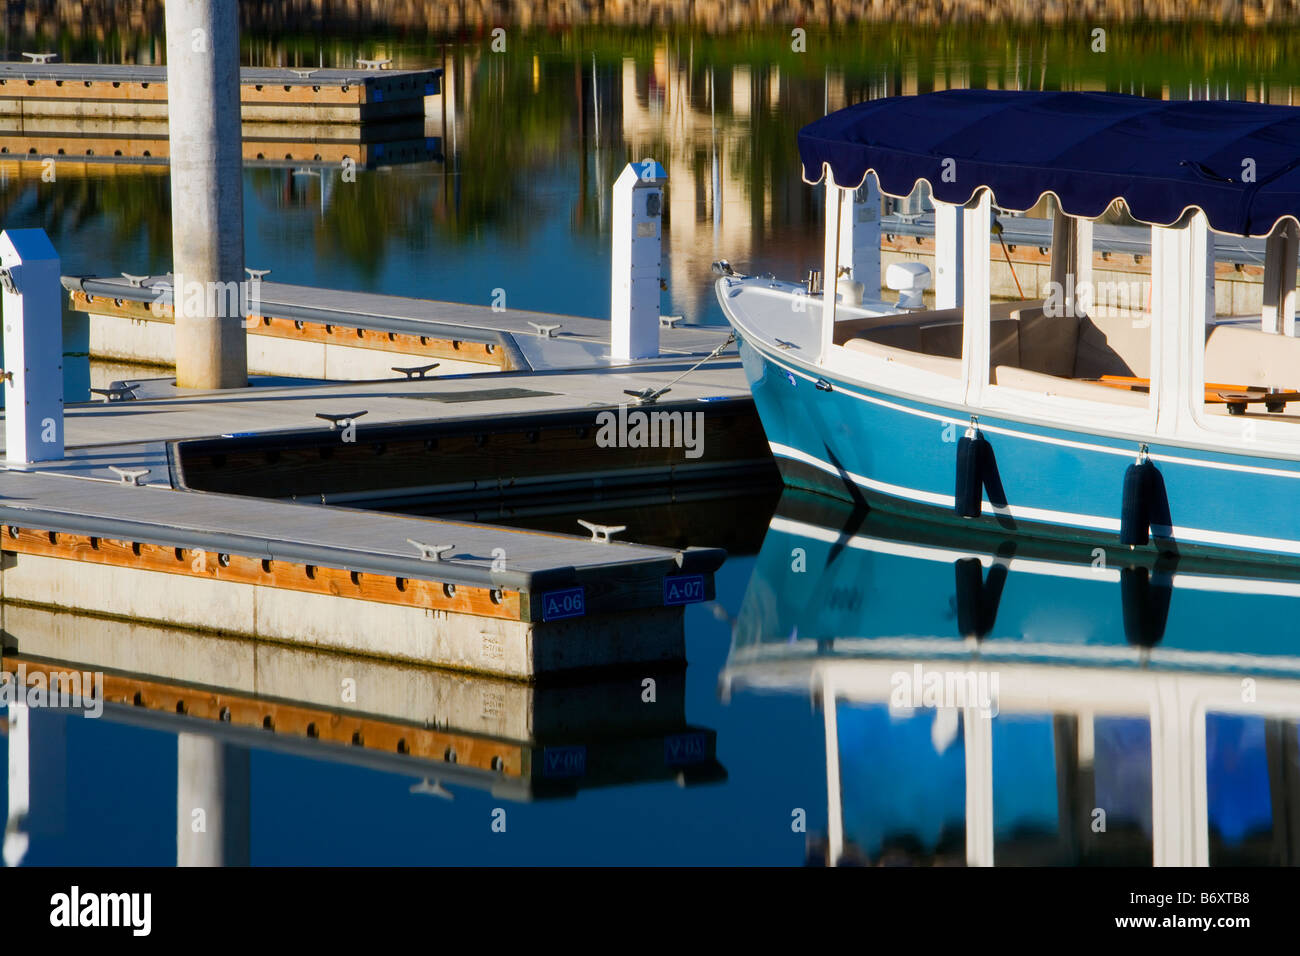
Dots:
(557, 605)
(683, 589)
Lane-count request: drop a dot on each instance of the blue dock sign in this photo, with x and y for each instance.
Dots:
(683, 589)
(564, 762)
(680, 749)
(557, 605)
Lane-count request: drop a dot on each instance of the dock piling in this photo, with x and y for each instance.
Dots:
(205, 138)
(33, 347)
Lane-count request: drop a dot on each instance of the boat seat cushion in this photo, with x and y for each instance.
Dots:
(895, 336)
(1047, 342)
(938, 364)
(944, 338)
(1113, 343)
(1067, 387)
(1252, 357)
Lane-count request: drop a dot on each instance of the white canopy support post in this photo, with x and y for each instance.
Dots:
(637, 261)
(1281, 250)
(977, 738)
(860, 236)
(33, 347)
(1084, 290)
(830, 264)
(1182, 307)
(976, 218)
(1071, 268)
(949, 248)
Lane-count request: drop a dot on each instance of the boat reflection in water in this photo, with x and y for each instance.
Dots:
(990, 700)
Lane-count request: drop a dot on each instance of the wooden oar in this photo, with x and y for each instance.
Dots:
(1236, 397)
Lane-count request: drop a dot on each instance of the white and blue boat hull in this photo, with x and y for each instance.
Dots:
(899, 453)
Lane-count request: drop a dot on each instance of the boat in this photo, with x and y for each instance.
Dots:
(1159, 426)
(992, 699)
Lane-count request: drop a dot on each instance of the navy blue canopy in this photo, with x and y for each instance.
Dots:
(1237, 162)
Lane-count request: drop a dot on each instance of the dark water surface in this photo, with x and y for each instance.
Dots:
(822, 617)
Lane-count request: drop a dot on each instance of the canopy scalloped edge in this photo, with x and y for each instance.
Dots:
(1236, 163)
(1047, 192)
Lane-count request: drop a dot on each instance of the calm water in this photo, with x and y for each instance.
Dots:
(794, 675)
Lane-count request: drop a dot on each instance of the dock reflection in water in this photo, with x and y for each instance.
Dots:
(231, 705)
(1135, 715)
(990, 702)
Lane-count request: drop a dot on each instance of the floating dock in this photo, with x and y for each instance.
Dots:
(161, 511)
(126, 92)
(335, 334)
(237, 508)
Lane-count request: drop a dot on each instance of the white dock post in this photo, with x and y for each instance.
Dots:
(206, 142)
(860, 236)
(33, 346)
(949, 276)
(635, 283)
(212, 796)
(16, 839)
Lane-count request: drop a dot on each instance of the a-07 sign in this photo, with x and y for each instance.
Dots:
(683, 589)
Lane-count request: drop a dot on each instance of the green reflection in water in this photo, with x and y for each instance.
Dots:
(526, 122)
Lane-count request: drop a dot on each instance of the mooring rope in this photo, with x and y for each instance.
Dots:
(648, 396)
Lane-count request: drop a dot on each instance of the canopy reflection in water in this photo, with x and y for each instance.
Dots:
(997, 700)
